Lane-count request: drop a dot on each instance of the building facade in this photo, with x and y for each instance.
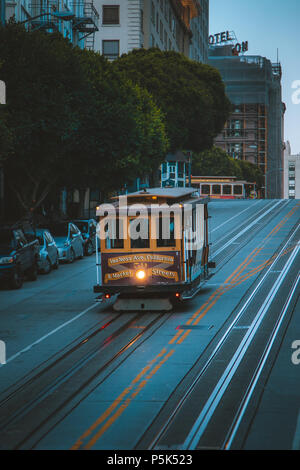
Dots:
(291, 174)
(254, 131)
(76, 20)
(177, 25)
(175, 171)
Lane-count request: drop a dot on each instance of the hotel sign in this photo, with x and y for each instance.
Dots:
(221, 38)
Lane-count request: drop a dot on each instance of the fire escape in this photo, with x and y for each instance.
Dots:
(86, 21)
(81, 15)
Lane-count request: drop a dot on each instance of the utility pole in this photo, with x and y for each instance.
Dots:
(2, 12)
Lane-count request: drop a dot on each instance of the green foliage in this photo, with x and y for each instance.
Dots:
(6, 137)
(41, 74)
(216, 162)
(190, 94)
(123, 131)
(75, 120)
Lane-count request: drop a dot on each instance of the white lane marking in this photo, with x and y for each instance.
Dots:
(50, 333)
(237, 215)
(230, 242)
(210, 406)
(296, 440)
(258, 373)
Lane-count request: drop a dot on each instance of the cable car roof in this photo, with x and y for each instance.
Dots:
(170, 193)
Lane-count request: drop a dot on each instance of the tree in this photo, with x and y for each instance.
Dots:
(6, 137)
(45, 90)
(190, 94)
(216, 162)
(76, 120)
(123, 131)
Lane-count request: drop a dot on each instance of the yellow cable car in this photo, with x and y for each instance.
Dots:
(154, 248)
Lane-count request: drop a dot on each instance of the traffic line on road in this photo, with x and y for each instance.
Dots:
(50, 333)
(234, 217)
(119, 405)
(255, 379)
(216, 395)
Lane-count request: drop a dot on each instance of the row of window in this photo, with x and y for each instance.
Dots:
(139, 236)
(218, 189)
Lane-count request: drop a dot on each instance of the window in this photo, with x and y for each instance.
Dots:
(172, 167)
(235, 128)
(115, 238)
(166, 232)
(110, 49)
(216, 189)
(238, 189)
(227, 189)
(111, 14)
(205, 189)
(139, 233)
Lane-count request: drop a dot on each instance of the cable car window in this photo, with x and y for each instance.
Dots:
(139, 233)
(166, 232)
(115, 238)
(216, 189)
(205, 189)
(238, 189)
(227, 189)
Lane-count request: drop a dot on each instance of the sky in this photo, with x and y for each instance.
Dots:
(268, 25)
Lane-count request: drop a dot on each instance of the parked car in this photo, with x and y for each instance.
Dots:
(19, 256)
(88, 232)
(68, 240)
(49, 255)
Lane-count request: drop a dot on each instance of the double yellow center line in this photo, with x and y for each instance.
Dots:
(119, 405)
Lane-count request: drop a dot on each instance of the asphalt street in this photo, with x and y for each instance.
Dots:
(218, 372)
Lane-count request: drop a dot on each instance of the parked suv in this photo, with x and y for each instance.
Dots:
(19, 255)
(88, 232)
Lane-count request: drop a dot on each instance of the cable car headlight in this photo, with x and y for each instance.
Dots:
(140, 274)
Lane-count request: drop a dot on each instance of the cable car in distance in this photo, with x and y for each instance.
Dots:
(154, 248)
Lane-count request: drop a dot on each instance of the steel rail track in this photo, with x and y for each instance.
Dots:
(62, 378)
(200, 424)
(67, 375)
(236, 422)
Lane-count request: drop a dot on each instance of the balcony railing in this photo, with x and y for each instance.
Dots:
(83, 15)
(86, 17)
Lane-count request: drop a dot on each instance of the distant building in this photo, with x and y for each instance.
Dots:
(177, 25)
(175, 170)
(76, 20)
(291, 174)
(254, 131)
